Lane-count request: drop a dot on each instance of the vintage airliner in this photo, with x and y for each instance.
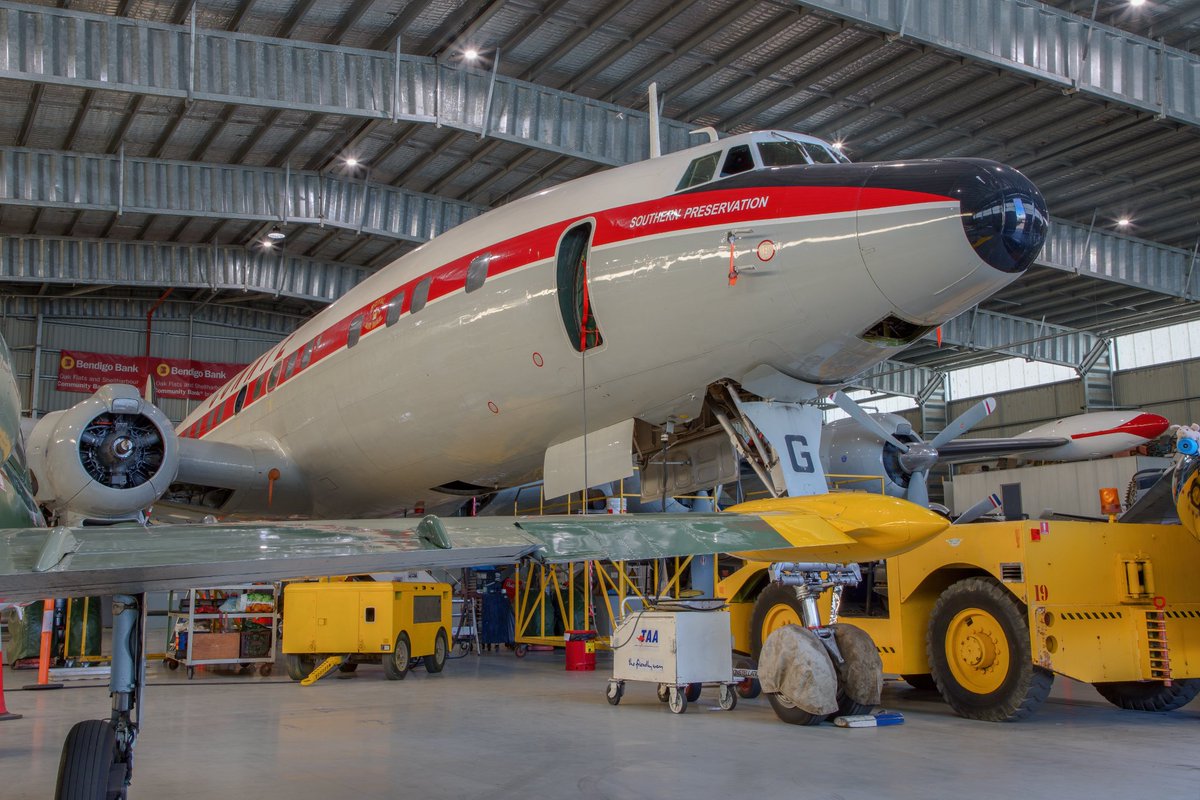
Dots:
(658, 306)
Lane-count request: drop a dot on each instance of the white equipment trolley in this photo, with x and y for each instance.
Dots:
(680, 645)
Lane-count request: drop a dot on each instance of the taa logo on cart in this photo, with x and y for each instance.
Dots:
(649, 636)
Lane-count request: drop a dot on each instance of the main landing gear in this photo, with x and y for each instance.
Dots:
(97, 756)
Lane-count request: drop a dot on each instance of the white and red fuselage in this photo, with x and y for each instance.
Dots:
(374, 402)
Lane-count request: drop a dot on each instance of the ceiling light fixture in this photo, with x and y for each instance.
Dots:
(276, 234)
(470, 54)
(1123, 222)
(351, 162)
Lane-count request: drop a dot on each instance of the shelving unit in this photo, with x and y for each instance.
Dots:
(217, 637)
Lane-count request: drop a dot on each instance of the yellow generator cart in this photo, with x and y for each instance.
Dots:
(400, 624)
(988, 613)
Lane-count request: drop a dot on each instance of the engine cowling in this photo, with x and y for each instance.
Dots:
(108, 457)
(848, 448)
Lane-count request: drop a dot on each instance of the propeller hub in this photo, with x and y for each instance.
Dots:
(921, 457)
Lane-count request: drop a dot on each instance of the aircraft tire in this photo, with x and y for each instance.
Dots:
(395, 666)
(1149, 696)
(88, 768)
(788, 712)
(979, 653)
(437, 662)
(774, 607)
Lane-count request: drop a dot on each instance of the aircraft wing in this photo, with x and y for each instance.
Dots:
(58, 562)
(959, 449)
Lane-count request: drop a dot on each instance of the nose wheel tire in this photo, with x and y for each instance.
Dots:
(1149, 696)
(395, 666)
(788, 712)
(88, 769)
(979, 653)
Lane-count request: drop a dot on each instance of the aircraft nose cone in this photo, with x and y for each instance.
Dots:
(1003, 215)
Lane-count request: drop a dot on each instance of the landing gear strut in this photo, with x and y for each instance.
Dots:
(812, 670)
(97, 757)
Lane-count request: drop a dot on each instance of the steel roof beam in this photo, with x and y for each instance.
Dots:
(148, 58)
(77, 181)
(1036, 41)
(41, 260)
(1096, 253)
(258, 320)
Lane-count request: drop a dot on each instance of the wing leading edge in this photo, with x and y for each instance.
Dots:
(37, 563)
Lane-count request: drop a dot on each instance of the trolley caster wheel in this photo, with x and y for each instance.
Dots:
(727, 697)
(678, 701)
(191, 672)
(265, 670)
(615, 691)
(663, 692)
(171, 663)
(692, 692)
(521, 650)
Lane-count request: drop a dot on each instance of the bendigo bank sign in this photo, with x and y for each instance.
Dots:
(176, 378)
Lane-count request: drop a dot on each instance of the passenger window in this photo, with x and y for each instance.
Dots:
(477, 272)
(420, 295)
(573, 300)
(273, 381)
(393, 309)
(355, 331)
(306, 358)
(291, 366)
(699, 171)
(241, 399)
(738, 160)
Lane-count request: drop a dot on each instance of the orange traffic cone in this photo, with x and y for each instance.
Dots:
(4, 712)
(44, 649)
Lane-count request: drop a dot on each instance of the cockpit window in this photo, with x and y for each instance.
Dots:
(819, 154)
(738, 160)
(699, 171)
(782, 154)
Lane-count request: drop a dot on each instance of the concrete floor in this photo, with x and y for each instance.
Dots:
(498, 727)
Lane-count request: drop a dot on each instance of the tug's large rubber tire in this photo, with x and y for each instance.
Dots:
(774, 607)
(88, 768)
(1149, 696)
(979, 653)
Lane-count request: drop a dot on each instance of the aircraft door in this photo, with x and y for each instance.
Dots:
(574, 299)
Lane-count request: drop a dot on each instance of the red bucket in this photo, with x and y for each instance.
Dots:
(581, 650)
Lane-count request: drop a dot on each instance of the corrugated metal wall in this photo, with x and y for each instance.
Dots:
(1172, 390)
(171, 338)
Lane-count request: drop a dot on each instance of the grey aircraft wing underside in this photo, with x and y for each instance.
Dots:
(57, 562)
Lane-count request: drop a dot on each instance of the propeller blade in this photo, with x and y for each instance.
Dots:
(989, 503)
(843, 401)
(918, 492)
(965, 421)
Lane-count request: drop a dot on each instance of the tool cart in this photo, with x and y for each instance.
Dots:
(680, 645)
(231, 625)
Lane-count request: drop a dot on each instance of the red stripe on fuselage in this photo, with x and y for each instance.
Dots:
(1147, 426)
(616, 225)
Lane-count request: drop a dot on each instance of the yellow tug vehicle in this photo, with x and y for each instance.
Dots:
(988, 613)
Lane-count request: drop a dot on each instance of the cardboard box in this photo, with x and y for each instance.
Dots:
(206, 646)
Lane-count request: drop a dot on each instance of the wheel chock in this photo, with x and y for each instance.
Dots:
(324, 668)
